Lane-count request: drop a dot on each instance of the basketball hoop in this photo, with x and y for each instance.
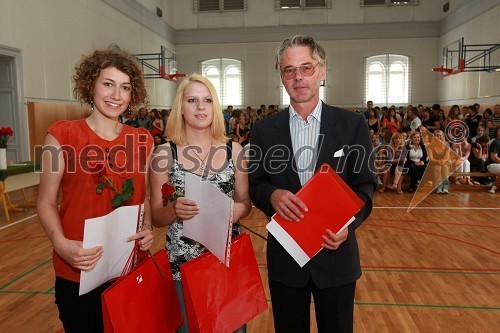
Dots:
(170, 77)
(442, 70)
(173, 77)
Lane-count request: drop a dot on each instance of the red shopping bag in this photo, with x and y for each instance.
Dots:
(144, 300)
(220, 299)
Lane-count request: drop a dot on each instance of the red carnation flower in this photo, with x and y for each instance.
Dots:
(167, 191)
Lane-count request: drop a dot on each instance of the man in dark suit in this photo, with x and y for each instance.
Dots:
(285, 150)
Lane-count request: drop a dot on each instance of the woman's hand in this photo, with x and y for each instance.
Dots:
(185, 209)
(72, 252)
(145, 236)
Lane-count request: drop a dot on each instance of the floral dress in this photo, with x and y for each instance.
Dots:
(181, 249)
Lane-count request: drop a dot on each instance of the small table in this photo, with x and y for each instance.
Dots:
(17, 177)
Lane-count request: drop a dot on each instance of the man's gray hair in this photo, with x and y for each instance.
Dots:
(317, 50)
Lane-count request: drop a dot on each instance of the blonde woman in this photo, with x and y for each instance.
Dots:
(440, 162)
(396, 157)
(198, 145)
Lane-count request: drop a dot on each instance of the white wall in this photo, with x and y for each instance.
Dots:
(262, 13)
(469, 87)
(53, 34)
(344, 69)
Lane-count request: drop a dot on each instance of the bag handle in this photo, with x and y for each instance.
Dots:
(135, 256)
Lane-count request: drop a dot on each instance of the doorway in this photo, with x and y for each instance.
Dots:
(12, 108)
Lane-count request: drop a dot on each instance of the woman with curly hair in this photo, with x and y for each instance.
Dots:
(77, 156)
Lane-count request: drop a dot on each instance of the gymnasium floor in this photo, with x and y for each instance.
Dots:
(433, 269)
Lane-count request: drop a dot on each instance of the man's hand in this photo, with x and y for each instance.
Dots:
(288, 205)
(333, 241)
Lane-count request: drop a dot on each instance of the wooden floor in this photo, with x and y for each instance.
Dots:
(433, 269)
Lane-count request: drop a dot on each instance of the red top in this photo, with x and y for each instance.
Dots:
(85, 153)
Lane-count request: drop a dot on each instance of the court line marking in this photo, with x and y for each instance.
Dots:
(440, 271)
(19, 277)
(441, 208)
(367, 222)
(17, 222)
(436, 235)
(435, 306)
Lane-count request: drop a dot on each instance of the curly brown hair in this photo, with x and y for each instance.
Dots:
(88, 69)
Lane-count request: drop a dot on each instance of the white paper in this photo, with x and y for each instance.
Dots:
(211, 227)
(111, 232)
(288, 243)
(346, 225)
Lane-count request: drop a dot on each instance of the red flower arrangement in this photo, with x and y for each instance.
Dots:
(168, 193)
(5, 133)
(103, 181)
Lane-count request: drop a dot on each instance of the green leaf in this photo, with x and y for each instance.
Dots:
(128, 187)
(117, 200)
(125, 197)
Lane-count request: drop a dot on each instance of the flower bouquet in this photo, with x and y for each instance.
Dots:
(5, 133)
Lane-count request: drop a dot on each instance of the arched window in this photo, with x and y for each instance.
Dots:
(387, 79)
(227, 77)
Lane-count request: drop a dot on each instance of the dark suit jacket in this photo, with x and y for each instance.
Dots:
(272, 167)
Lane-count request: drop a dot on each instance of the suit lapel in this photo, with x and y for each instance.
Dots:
(329, 140)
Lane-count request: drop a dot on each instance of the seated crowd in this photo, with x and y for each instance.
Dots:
(402, 150)
(464, 141)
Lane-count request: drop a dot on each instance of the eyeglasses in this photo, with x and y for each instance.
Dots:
(306, 70)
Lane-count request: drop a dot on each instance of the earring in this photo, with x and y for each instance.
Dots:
(92, 104)
(129, 111)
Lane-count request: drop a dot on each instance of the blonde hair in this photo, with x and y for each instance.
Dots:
(396, 135)
(176, 128)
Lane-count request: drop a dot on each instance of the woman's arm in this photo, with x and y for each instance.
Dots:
(430, 153)
(466, 152)
(242, 204)
(238, 128)
(494, 157)
(72, 251)
(158, 123)
(476, 150)
(181, 207)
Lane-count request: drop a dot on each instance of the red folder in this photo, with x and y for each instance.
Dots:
(332, 205)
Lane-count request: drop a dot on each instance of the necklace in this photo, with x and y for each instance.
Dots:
(202, 160)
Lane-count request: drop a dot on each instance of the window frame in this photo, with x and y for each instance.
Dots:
(221, 6)
(222, 65)
(301, 4)
(374, 3)
(388, 78)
